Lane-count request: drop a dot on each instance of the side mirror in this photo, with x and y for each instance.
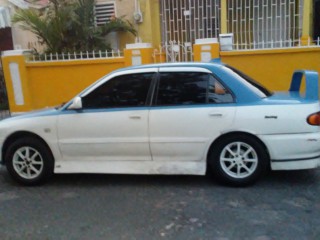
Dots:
(76, 104)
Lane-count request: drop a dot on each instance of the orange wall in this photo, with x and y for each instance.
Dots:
(52, 83)
(274, 68)
(46, 84)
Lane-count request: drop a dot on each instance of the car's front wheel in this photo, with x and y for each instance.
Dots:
(238, 160)
(29, 161)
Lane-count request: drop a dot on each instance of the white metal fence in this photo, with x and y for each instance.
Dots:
(255, 24)
(265, 23)
(298, 43)
(174, 52)
(74, 56)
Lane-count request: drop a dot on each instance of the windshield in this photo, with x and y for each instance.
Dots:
(254, 85)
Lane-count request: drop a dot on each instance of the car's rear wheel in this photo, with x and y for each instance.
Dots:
(29, 161)
(238, 160)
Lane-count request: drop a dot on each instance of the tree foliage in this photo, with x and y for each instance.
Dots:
(67, 26)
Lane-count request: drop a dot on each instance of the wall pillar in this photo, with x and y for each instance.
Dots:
(224, 28)
(307, 22)
(16, 79)
(149, 30)
(205, 50)
(138, 54)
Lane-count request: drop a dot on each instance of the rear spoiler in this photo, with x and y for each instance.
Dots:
(311, 80)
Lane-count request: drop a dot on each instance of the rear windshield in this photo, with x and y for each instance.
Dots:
(254, 85)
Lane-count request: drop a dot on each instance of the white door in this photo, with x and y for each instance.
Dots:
(113, 124)
(105, 135)
(190, 110)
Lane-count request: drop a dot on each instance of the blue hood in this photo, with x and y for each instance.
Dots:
(32, 114)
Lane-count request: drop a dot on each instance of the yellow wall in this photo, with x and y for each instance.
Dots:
(274, 68)
(149, 29)
(54, 83)
(307, 22)
(47, 84)
(51, 83)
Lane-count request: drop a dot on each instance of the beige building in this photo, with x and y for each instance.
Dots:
(12, 37)
(104, 10)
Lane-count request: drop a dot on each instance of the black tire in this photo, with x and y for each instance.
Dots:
(238, 160)
(29, 161)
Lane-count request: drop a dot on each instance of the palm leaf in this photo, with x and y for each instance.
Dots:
(69, 26)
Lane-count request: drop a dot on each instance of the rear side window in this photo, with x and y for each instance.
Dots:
(217, 93)
(190, 88)
(182, 88)
(251, 83)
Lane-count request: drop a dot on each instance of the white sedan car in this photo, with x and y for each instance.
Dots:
(169, 119)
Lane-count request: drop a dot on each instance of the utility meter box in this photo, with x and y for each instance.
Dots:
(226, 41)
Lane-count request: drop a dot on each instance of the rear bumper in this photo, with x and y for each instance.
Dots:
(295, 164)
(293, 151)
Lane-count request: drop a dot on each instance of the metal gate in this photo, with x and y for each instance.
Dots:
(183, 21)
(4, 105)
(265, 23)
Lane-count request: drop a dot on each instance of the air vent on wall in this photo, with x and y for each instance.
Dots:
(104, 12)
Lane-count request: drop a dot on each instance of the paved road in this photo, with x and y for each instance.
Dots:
(281, 206)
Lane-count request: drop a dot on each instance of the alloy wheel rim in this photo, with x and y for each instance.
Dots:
(239, 160)
(27, 162)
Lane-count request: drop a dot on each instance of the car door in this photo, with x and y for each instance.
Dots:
(191, 108)
(113, 122)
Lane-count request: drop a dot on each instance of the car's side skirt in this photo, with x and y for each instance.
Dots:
(132, 167)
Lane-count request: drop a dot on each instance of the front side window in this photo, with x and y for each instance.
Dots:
(123, 91)
(190, 88)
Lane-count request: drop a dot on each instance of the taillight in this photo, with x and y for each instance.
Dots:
(314, 119)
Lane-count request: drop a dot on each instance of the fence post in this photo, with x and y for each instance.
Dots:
(16, 79)
(205, 50)
(138, 54)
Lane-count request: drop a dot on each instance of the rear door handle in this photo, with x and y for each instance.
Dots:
(215, 114)
(135, 117)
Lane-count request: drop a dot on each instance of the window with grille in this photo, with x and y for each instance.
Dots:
(184, 21)
(316, 20)
(264, 23)
(104, 11)
(187, 20)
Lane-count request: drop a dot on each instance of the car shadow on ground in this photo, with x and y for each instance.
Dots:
(272, 178)
(283, 178)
